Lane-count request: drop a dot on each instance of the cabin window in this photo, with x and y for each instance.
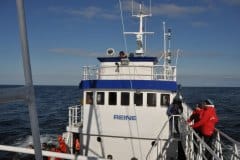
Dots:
(125, 98)
(138, 99)
(165, 100)
(100, 98)
(89, 98)
(112, 98)
(151, 99)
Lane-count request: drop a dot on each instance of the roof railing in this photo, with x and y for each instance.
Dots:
(155, 72)
(75, 116)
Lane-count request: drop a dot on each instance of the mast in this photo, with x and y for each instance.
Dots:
(30, 98)
(140, 33)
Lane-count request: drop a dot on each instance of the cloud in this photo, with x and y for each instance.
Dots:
(199, 24)
(209, 54)
(208, 79)
(132, 6)
(171, 10)
(73, 51)
(89, 12)
(232, 2)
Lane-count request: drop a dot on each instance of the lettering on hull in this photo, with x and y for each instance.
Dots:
(124, 117)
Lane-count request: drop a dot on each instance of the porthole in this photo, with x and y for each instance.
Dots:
(109, 156)
(153, 142)
(99, 139)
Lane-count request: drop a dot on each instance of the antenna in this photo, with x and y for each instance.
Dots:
(140, 33)
(167, 52)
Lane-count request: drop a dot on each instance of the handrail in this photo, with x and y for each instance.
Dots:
(47, 153)
(192, 141)
(158, 137)
(202, 145)
(227, 137)
(155, 73)
(75, 115)
(221, 141)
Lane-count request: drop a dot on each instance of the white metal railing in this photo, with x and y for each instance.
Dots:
(194, 146)
(75, 116)
(155, 72)
(158, 144)
(226, 147)
(46, 153)
(223, 146)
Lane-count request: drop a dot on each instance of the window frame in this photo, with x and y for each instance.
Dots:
(162, 103)
(134, 99)
(89, 99)
(102, 96)
(112, 104)
(155, 100)
(122, 100)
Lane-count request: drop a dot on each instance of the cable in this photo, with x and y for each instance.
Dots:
(124, 37)
(145, 37)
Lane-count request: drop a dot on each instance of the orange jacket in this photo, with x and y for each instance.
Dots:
(77, 145)
(54, 150)
(208, 121)
(62, 145)
(196, 115)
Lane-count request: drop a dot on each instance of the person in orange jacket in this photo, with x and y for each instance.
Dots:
(61, 149)
(196, 116)
(208, 120)
(207, 124)
(77, 145)
(62, 145)
(54, 150)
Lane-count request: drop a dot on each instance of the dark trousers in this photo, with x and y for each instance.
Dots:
(209, 141)
(196, 142)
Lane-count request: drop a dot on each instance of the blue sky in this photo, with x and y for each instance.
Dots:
(67, 34)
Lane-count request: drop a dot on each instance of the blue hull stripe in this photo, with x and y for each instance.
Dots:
(127, 84)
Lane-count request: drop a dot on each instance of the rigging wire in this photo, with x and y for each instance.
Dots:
(150, 7)
(123, 28)
(132, 7)
(145, 37)
(125, 43)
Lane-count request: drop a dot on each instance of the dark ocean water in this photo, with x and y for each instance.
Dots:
(53, 102)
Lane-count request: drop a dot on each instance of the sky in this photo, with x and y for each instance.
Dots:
(65, 35)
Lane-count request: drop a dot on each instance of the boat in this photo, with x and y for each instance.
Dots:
(123, 111)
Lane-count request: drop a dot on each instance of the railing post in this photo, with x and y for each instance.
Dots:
(235, 152)
(81, 109)
(97, 73)
(76, 116)
(84, 73)
(69, 116)
(218, 148)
